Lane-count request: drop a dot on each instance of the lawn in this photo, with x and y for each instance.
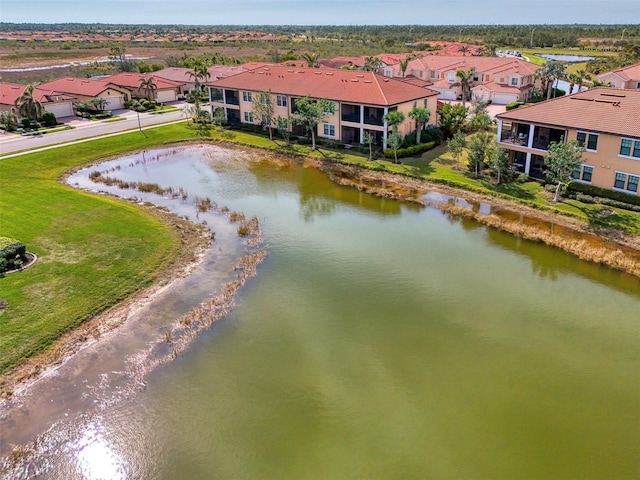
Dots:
(93, 251)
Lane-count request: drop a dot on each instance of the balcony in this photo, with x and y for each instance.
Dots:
(350, 117)
(232, 97)
(374, 116)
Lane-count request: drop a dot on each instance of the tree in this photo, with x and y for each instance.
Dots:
(481, 121)
(199, 73)
(561, 160)
(263, 107)
(283, 124)
(394, 140)
(455, 145)
(421, 116)
(117, 55)
(499, 163)
(466, 79)
(479, 151)
(452, 118)
(148, 86)
(404, 63)
(367, 138)
(311, 59)
(27, 106)
(372, 64)
(548, 74)
(311, 112)
(464, 50)
(8, 121)
(219, 117)
(394, 118)
(98, 103)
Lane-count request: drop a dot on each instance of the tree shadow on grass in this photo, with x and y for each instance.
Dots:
(515, 190)
(603, 217)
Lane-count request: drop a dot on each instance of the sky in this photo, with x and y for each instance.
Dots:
(322, 12)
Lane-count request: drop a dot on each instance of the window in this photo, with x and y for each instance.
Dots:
(638, 85)
(452, 78)
(613, 84)
(630, 148)
(432, 74)
(588, 140)
(329, 130)
(246, 96)
(625, 181)
(583, 173)
(514, 82)
(248, 117)
(281, 100)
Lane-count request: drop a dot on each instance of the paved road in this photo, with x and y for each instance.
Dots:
(86, 129)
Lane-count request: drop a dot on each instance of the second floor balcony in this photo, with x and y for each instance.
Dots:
(522, 134)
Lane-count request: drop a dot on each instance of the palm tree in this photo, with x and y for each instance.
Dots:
(149, 87)
(548, 74)
(27, 106)
(199, 72)
(372, 64)
(98, 103)
(311, 59)
(421, 116)
(404, 63)
(464, 49)
(466, 79)
(393, 119)
(581, 76)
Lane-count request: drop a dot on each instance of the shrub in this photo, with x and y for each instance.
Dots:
(431, 134)
(513, 105)
(49, 119)
(304, 141)
(605, 196)
(12, 252)
(411, 151)
(3, 265)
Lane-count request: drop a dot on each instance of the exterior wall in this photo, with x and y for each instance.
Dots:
(616, 80)
(606, 161)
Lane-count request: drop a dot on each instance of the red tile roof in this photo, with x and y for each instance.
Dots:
(132, 80)
(630, 72)
(9, 92)
(607, 110)
(339, 85)
(78, 86)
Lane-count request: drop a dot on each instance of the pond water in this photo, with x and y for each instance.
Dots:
(379, 339)
(566, 58)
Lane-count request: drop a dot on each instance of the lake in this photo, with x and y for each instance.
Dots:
(379, 339)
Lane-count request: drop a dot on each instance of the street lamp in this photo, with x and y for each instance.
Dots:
(531, 43)
(622, 37)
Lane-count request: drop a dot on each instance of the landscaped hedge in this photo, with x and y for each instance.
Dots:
(411, 151)
(512, 105)
(590, 194)
(12, 254)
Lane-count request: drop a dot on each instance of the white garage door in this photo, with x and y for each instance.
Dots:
(166, 96)
(60, 110)
(448, 94)
(113, 103)
(504, 98)
(480, 95)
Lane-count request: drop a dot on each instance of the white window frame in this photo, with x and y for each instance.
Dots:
(328, 128)
(635, 145)
(452, 78)
(281, 100)
(248, 117)
(580, 178)
(625, 189)
(246, 96)
(514, 81)
(586, 140)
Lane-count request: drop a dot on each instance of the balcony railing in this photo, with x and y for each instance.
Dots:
(509, 137)
(350, 117)
(374, 120)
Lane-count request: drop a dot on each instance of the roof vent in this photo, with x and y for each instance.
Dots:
(355, 80)
(360, 75)
(618, 95)
(368, 81)
(329, 73)
(318, 73)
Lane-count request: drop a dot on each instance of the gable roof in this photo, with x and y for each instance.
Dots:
(78, 86)
(10, 92)
(607, 110)
(630, 72)
(132, 80)
(339, 85)
(486, 65)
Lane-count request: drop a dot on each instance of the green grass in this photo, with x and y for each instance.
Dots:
(93, 251)
(91, 247)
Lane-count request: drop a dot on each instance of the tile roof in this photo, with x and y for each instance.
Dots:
(9, 92)
(607, 110)
(339, 85)
(487, 65)
(78, 86)
(630, 72)
(132, 80)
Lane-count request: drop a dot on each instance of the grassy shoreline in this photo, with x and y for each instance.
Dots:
(90, 246)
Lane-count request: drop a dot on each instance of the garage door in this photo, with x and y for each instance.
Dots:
(113, 103)
(480, 95)
(448, 95)
(504, 98)
(60, 110)
(166, 96)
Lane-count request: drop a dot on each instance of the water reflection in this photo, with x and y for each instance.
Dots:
(96, 459)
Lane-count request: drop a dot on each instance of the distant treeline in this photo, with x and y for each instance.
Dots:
(498, 35)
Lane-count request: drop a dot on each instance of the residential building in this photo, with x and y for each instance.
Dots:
(84, 89)
(496, 79)
(625, 77)
(604, 120)
(186, 79)
(60, 104)
(165, 91)
(361, 99)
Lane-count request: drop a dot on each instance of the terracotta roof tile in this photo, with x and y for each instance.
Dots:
(78, 86)
(606, 110)
(132, 80)
(338, 85)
